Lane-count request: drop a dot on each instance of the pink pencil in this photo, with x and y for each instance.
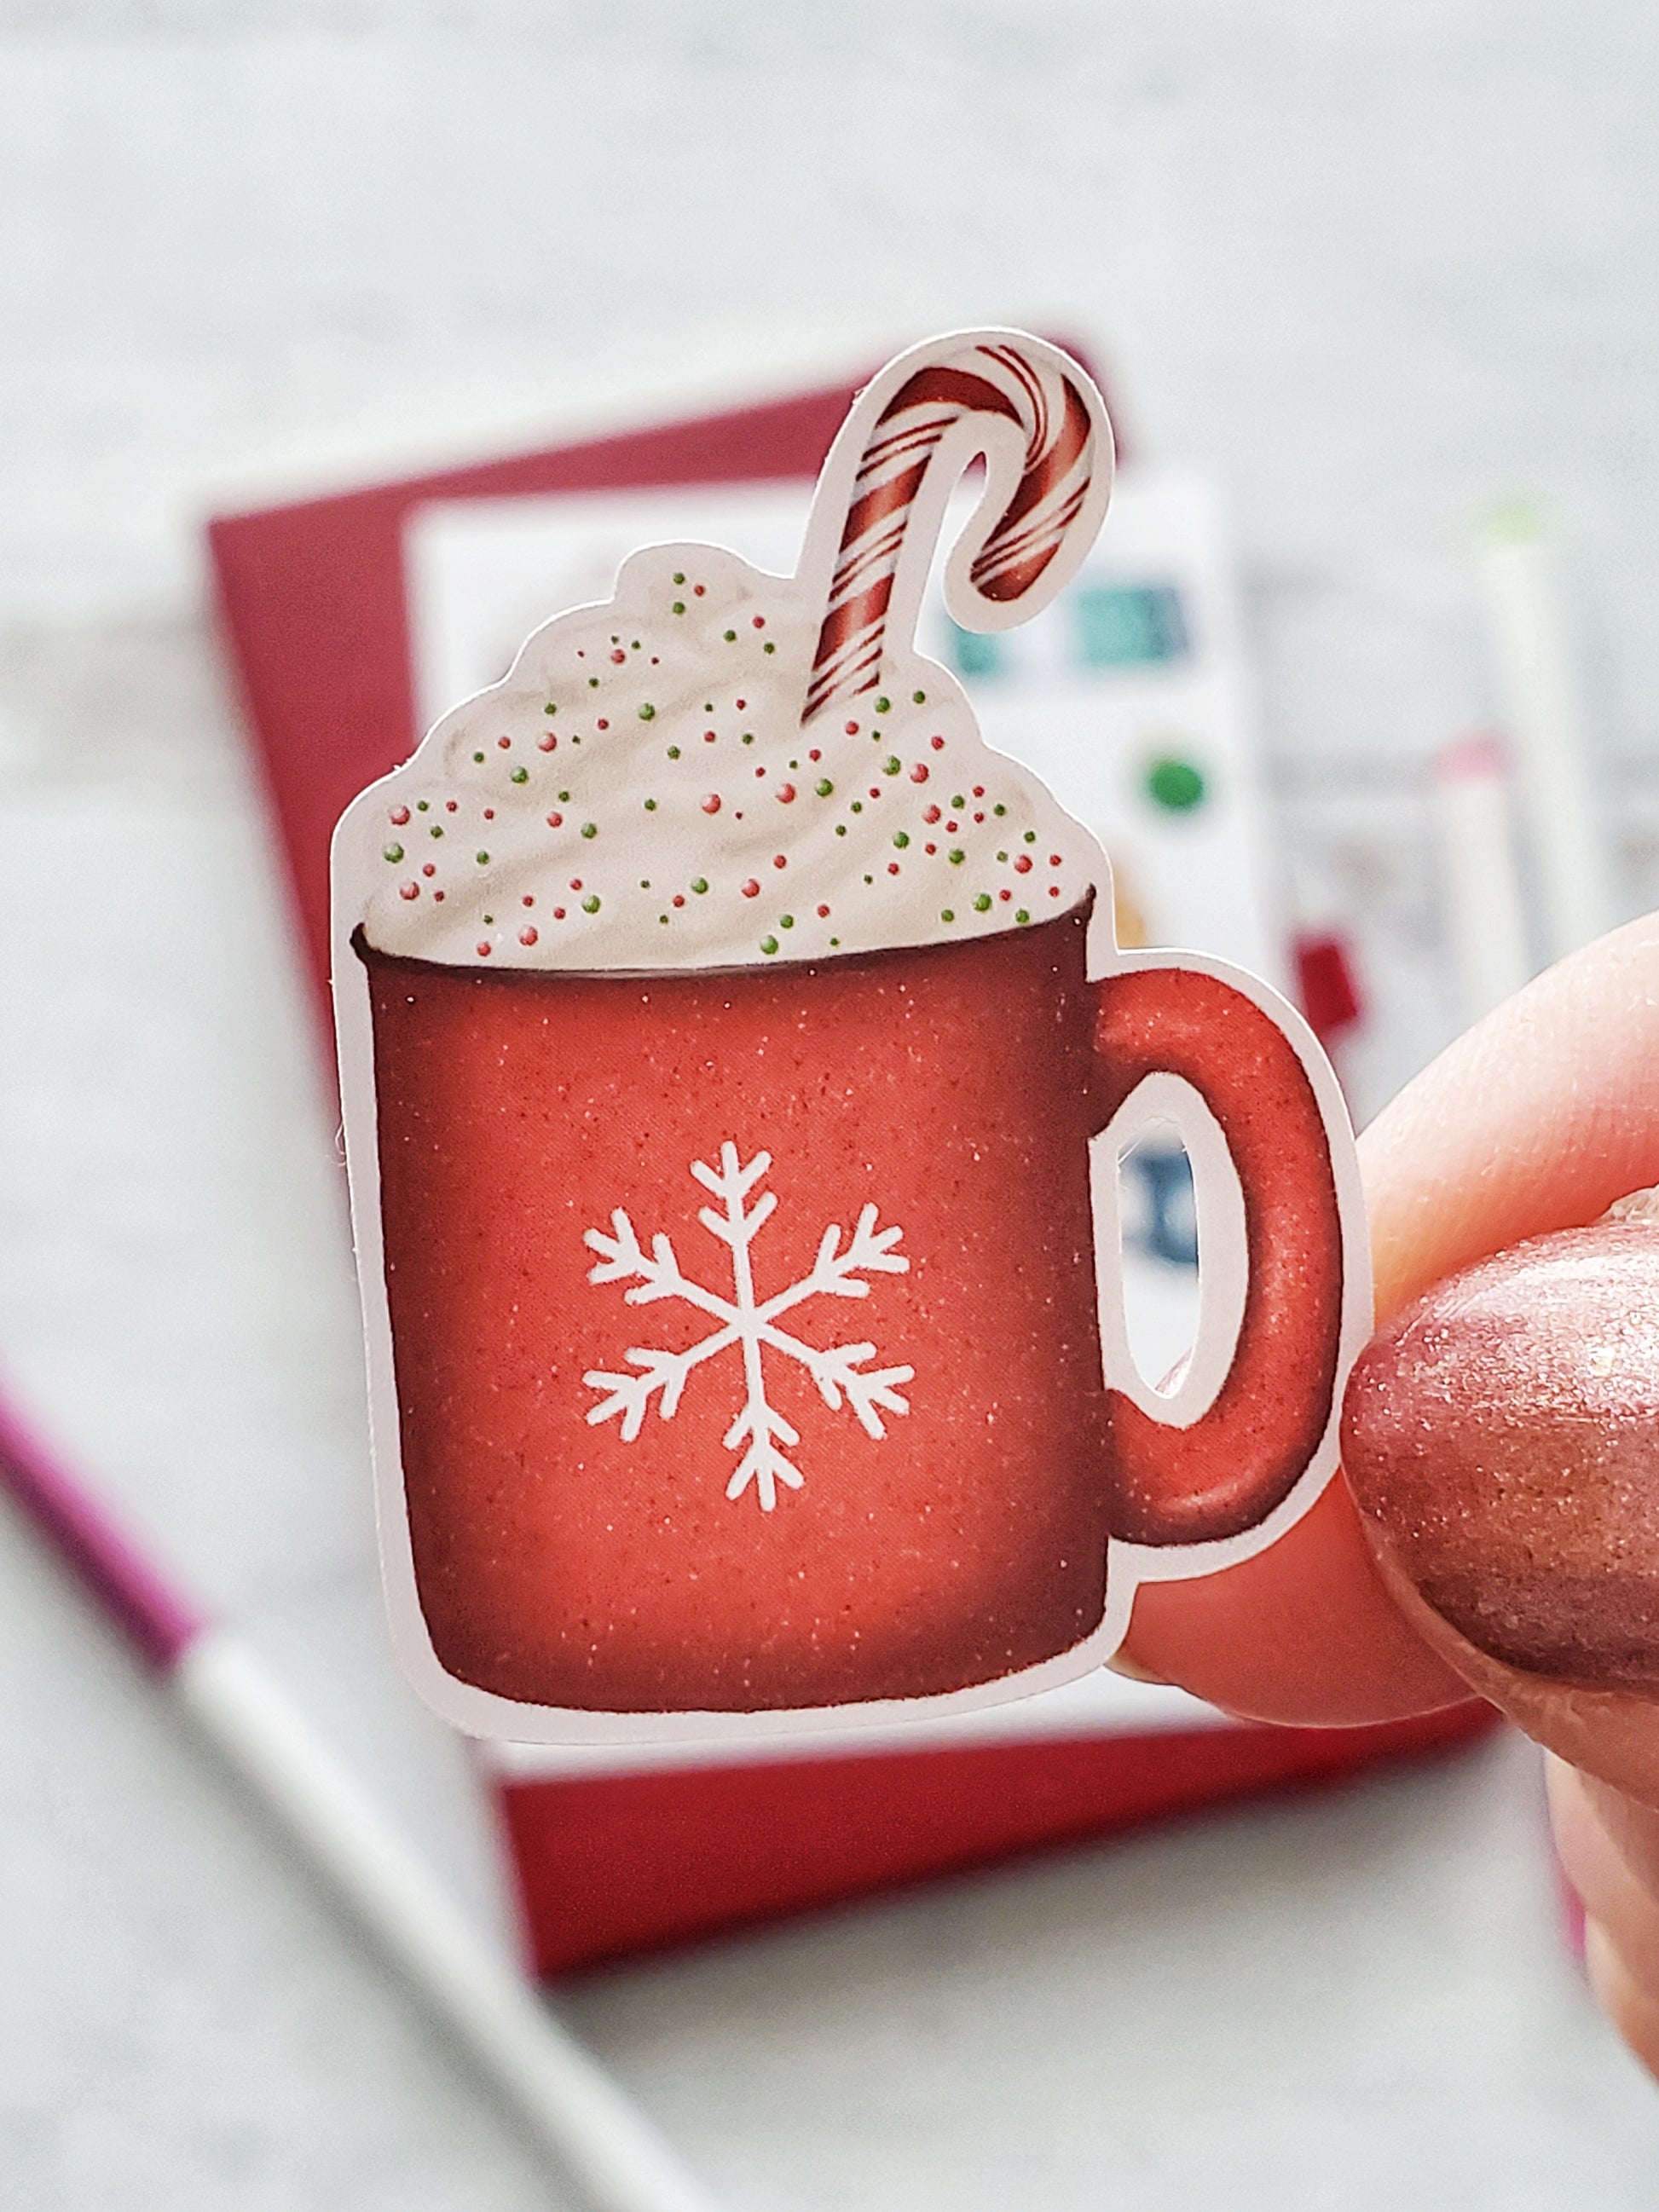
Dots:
(572, 2106)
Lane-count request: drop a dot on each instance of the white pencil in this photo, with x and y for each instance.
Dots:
(1536, 683)
(1486, 911)
(572, 2107)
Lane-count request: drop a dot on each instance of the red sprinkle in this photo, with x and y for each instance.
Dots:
(930, 848)
(851, 729)
(751, 889)
(786, 793)
(549, 744)
(824, 913)
(930, 814)
(919, 772)
(978, 791)
(938, 744)
(892, 867)
(950, 828)
(696, 591)
(1021, 863)
(780, 860)
(400, 816)
(1054, 890)
(526, 935)
(1004, 895)
(679, 898)
(814, 755)
(618, 657)
(741, 704)
(439, 896)
(490, 814)
(575, 883)
(408, 890)
(449, 806)
(555, 821)
(506, 744)
(711, 804)
(429, 869)
(485, 948)
(1054, 860)
(759, 621)
(602, 724)
(558, 914)
(708, 736)
(979, 817)
(527, 900)
(875, 791)
(760, 771)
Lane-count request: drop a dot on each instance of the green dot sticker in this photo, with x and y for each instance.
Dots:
(1175, 784)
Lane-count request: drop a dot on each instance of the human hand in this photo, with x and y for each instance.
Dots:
(1538, 1119)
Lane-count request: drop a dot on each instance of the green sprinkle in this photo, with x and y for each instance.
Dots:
(593, 682)
(786, 921)
(919, 698)
(645, 883)
(900, 839)
(520, 776)
(768, 945)
(422, 806)
(482, 859)
(729, 636)
(673, 752)
(662, 917)
(436, 830)
(1175, 784)
(869, 879)
(1002, 856)
(957, 857)
(1020, 914)
(982, 904)
(999, 810)
(564, 798)
(958, 802)
(680, 606)
(882, 705)
(749, 737)
(795, 764)
(947, 913)
(477, 756)
(841, 829)
(769, 647)
(679, 575)
(890, 765)
(700, 884)
(590, 828)
(650, 805)
(489, 921)
(823, 787)
(647, 712)
(590, 905)
(550, 710)
(394, 851)
(834, 942)
(858, 807)
(1030, 836)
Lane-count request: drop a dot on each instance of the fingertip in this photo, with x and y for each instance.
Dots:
(1304, 1634)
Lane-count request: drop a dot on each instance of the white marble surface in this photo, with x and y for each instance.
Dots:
(1379, 269)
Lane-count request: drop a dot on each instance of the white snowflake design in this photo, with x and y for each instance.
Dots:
(838, 1370)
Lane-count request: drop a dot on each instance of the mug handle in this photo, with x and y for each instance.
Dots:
(1223, 1473)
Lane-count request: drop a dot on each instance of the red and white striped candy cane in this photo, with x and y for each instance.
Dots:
(1034, 543)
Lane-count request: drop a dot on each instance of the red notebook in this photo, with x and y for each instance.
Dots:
(618, 1856)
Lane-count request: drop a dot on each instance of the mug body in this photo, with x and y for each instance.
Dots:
(842, 1210)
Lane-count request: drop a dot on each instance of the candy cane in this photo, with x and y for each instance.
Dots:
(1036, 542)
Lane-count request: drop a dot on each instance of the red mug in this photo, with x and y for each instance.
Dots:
(746, 1324)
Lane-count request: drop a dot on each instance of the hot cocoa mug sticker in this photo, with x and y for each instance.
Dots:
(737, 1059)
